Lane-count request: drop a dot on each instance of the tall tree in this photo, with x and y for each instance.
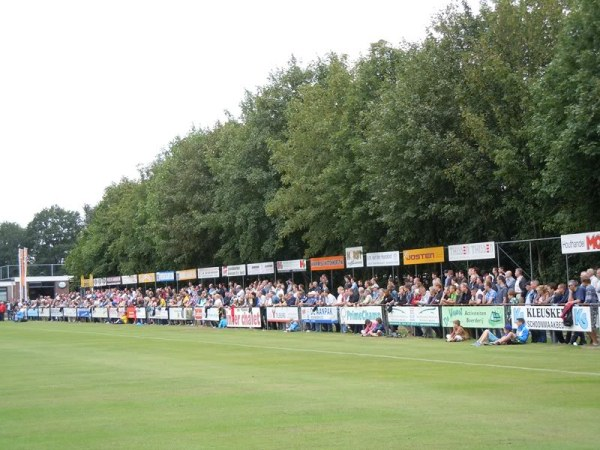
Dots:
(12, 236)
(52, 233)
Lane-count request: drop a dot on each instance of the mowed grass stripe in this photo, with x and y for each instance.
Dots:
(70, 385)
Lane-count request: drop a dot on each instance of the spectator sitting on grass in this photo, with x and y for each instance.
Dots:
(378, 329)
(487, 337)
(366, 331)
(293, 326)
(458, 334)
(511, 337)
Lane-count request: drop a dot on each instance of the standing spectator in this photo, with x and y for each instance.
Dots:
(2, 311)
(576, 296)
(520, 283)
(502, 295)
(591, 300)
(510, 280)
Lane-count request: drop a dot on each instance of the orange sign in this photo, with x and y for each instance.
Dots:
(327, 263)
(423, 255)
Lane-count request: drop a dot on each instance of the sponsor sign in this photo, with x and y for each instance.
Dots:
(158, 313)
(45, 312)
(322, 314)
(212, 314)
(165, 276)
(140, 313)
(357, 316)
(100, 313)
(147, 278)
(354, 257)
(234, 271)
(56, 312)
(86, 283)
(474, 316)
(292, 265)
(383, 259)
(99, 282)
(198, 313)
(129, 279)
(113, 281)
(189, 274)
(208, 272)
(472, 252)
(84, 312)
(243, 318)
(580, 243)
(70, 312)
(282, 313)
(33, 312)
(116, 313)
(327, 263)
(261, 268)
(176, 314)
(548, 317)
(424, 316)
(427, 255)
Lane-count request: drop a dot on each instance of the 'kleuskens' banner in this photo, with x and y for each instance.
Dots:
(548, 318)
(580, 243)
(327, 263)
(472, 252)
(474, 316)
(354, 257)
(383, 259)
(292, 265)
(208, 272)
(427, 255)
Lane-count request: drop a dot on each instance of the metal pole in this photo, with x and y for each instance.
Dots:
(567, 264)
(530, 261)
(498, 253)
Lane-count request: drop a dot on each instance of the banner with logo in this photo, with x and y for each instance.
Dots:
(292, 265)
(158, 313)
(243, 318)
(70, 312)
(100, 313)
(422, 316)
(140, 313)
(45, 313)
(354, 257)
(165, 276)
(208, 272)
(234, 271)
(86, 283)
(211, 314)
(263, 268)
(472, 252)
(580, 243)
(474, 316)
(113, 281)
(358, 315)
(56, 312)
(321, 314)
(427, 255)
(383, 259)
(189, 274)
(327, 263)
(147, 277)
(129, 279)
(548, 317)
(85, 313)
(176, 313)
(33, 312)
(99, 282)
(282, 313)
(198, 313)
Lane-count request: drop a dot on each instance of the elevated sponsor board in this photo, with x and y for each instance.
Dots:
(263, 268)
(580, 243)
(234, 271)
(165, 276)
(243, 318)
(147, 277)
(356, 316)
(129, 279)
(292, 265)
(472, 252)
(321, 314)
(383, 259)
(282, 313)
(548, 317)
(427, 255)
(474, 316)
(208, 272)
(354, 257)
(113, 281)
(327, 263)
(99, 282)
(424, 316)
(189, 274)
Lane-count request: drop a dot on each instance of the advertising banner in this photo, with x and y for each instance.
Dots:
(56, 312)
(99, 282)
(147, 277)
(165, 276)
(292, 265)
(129, 279)
(100, 313)
(176, 313)
(86, 282)
(580, 243)
(263, 268)
(357, 316)
(474, 316)
(415, 316)
(113, 281)
(472, 252)
(427, 255)
(45, 313)
(243, 318)
(234, 271)
(85, 313)
(322, 314)
(198, 313)
(327, 263)
(140, 313)
(548, 317)
(383, 259)
(33, 312)
(211, 314)
(70, 312)
(115, 313)
(282, 313)
(354, 257)
(189, 274)
(158, 313)
(208, 272)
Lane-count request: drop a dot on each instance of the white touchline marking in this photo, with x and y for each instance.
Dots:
(333, 352)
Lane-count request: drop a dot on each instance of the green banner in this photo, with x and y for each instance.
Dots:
(474, 316)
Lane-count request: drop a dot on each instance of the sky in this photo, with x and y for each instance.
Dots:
(92, 90)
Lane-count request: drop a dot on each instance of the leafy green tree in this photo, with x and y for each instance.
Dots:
(52, 233)
(12, 237)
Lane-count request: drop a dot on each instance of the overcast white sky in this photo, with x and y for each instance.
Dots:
(89, 90)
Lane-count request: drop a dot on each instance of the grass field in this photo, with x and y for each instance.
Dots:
(76, 385)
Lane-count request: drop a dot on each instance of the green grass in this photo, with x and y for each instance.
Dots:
(76, 385)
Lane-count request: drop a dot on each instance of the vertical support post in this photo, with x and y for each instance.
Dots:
(567, 264)
(498, 253)
(530, 261)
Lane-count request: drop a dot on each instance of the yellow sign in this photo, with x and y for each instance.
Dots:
(87, 283)
(147, 277)
(427, 255)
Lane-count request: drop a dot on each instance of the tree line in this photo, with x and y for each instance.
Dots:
(488, 129)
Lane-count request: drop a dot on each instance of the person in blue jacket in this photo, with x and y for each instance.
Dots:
(520, 336)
